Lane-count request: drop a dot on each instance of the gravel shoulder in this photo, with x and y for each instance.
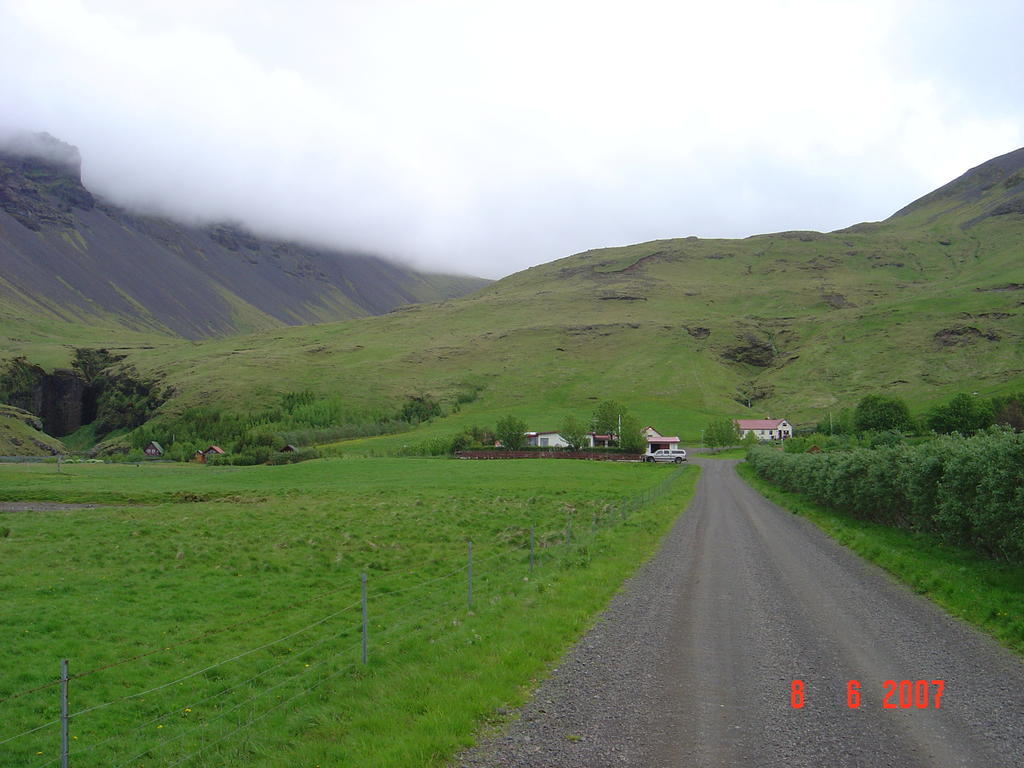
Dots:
(692, 662)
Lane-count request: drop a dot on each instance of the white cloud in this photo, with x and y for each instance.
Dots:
(487, 137)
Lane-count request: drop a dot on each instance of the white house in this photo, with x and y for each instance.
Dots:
(764, 429)
(555, 440)
(656, 441)
(545, 440)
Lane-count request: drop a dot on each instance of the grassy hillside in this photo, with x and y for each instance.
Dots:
(796, 323)
(923, 305)
(20, 435)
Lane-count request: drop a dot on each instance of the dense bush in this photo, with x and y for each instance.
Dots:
(969, 491)
(964, 414)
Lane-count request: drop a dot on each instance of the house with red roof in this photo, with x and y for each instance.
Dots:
(657, 441)
(764, 429)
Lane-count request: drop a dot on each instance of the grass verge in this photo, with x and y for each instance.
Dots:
(983, 592)
(725, 453)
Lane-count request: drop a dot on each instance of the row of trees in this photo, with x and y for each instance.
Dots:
(964, 414)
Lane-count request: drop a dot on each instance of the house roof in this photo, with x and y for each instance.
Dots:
(156, 445)
(759, 423)
(214, 449)
(656, 432)
(663, 439)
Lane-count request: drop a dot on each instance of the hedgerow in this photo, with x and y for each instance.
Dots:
(969, 491)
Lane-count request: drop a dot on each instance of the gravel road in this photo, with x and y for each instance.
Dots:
(693, 661)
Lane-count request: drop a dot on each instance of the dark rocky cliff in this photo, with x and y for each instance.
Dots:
(62, 400)
(67, 255)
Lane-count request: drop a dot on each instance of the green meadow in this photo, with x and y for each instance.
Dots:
(212, 616)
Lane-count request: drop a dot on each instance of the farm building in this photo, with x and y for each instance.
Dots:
(288, 449)
(213, 449)
(657, 441)
(764, 429)
(153, 449)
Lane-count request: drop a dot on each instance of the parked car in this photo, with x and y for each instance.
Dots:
(678, 455)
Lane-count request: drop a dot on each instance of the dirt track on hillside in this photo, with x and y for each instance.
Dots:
(42, 506)
(693, 662)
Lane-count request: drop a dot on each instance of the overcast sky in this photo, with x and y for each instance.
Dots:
(486, 136)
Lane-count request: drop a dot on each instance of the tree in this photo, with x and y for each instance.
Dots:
(632, 438)
(880, 412)
(721, 433)
(90, 363)
(607, 416)
(511, 432)
(574, 432)
(963, 414)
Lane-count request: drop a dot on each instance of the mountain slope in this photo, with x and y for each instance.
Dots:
(787, 324)
(791, 323)
(67, 257)
(994, 188)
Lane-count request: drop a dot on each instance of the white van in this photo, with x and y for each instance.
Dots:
(678, 455)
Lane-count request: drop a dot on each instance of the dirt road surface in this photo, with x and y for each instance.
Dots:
(693, 663)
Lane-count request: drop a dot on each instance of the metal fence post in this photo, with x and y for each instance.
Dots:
(469, 595)
(65, 744)
(364, 618)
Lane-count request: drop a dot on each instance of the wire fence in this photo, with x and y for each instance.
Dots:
(177, 720)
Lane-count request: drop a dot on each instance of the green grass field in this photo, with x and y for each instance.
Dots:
(986, 593)
(234, 594)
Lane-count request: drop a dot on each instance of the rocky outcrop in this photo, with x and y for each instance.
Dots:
(837, 301)
(962, 335)
(40, 181)
(61, 400)
(752, 351)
